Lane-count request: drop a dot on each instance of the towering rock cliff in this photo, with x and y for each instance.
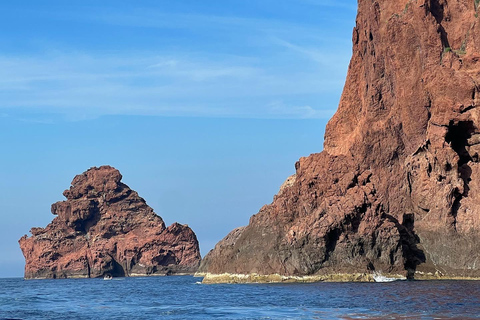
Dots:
(397, 187)
(103, 228)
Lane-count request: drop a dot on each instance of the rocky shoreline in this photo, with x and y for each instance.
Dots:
(209, 278)
(355, 277)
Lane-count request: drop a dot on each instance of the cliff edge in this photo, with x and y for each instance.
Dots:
(397, 187)
(105, 228)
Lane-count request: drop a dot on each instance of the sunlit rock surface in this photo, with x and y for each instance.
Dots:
(397, 187)
(105, 228)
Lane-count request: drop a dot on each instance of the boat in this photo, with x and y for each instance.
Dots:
(107, 277)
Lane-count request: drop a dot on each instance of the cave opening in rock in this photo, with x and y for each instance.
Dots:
(457, 136)
(117, 270)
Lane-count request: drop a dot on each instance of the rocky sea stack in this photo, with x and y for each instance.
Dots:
(397, 187)
(105, 228)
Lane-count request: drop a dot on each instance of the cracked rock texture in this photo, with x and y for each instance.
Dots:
(104, 227)
(397, 187)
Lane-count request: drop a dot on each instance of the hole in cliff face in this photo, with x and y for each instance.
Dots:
(370, 266)
(331, 239)
(91, 220)
(457, 136)
(166, 259)
(412, 255)
(448, 167)
(117, 270)
(113, 269)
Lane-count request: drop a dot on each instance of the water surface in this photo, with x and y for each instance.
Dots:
(184, 298)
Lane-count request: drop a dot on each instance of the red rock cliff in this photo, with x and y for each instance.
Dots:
(104, 227)
(397, 187)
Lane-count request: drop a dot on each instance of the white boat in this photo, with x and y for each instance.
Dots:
(107, 277)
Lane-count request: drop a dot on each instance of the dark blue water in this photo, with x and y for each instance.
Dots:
(184, 298)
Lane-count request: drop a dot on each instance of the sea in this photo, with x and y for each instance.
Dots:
(184, 297)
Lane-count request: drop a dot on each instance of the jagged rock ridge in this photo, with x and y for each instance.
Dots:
(104, 227)
(397, 187)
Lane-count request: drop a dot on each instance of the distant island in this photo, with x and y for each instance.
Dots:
(104, 229)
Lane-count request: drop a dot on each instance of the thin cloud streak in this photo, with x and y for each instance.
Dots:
(149, 18)
(302, 112)
(156, 86)
(352, 5)
(296, 63)
(321, 57)
(226, 26)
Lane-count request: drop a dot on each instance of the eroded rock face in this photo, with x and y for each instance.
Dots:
(104, 227)
(397, 187)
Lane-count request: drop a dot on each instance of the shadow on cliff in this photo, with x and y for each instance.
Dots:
(412, 255)
(457, 136)
(438, 12)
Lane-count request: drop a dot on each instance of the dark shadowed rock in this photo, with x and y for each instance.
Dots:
(104, 227)
(397, 187)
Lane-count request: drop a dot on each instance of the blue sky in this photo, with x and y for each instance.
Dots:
(204, 106)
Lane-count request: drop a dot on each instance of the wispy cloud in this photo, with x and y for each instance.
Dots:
(326, 57)
(154, 85)
(244, 28)
(155, 18)
(222, 66)
(350, 5)
(280, 109)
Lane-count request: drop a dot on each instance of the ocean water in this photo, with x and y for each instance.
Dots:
(183, 297)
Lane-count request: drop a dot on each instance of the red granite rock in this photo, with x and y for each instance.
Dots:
(104, 227)
(397, 186)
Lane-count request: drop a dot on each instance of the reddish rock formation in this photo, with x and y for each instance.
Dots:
(397, 187)
(104, 227)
